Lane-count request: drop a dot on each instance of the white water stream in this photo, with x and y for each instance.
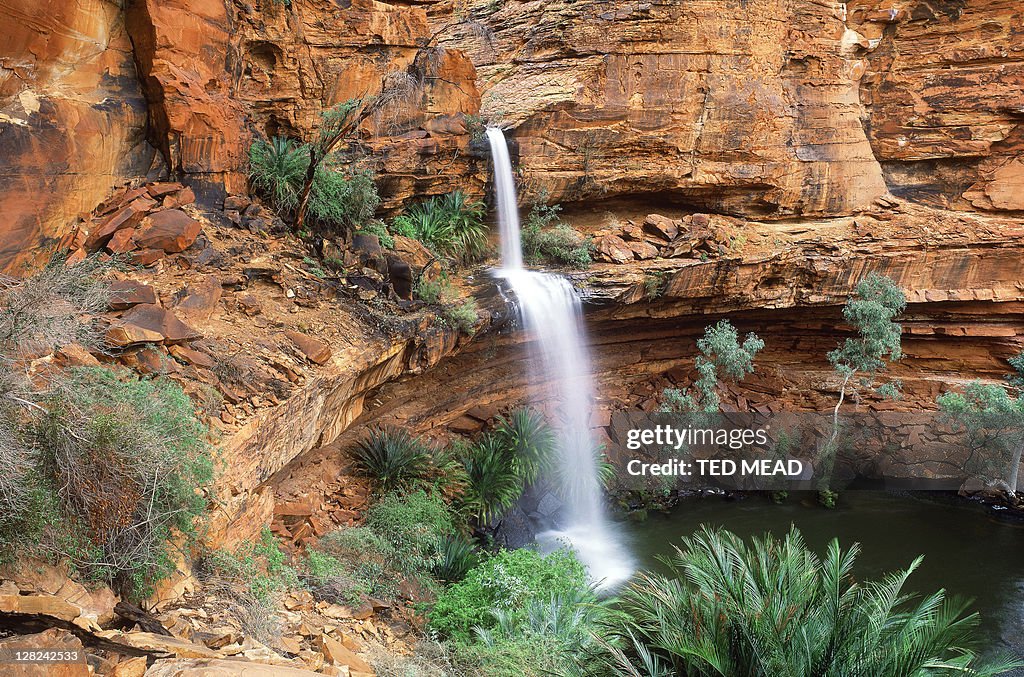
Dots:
(551, 313)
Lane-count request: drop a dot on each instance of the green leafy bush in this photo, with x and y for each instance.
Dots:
(394, 458)
(338, 198)
(529, 440)
(253, 577)
(547, 239)
(415, 525)
(372, 227)
(124, 460)
(458, 556)
(276, 171)
(774, 608)
(450, 224)
(350, 564)
(509, 582)
(493, 481)
(462, 316)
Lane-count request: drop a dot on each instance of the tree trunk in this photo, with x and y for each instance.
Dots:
(307, 187)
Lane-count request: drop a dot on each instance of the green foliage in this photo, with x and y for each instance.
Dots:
(722, 356)
(436, 291)
(125, 460)
(458, 556)
(338, 198)
(493, 479)
(1017, 379)
(871, 312)
(343, 200)
(993, 424)
(259, 567)
(276, 171)
(451, 225)
(416, 525)
(371, 227)
(405, 537)
(529, 442)
(877, 302)
(547, 239)
(509, 582)
(774, 608)
(500, 464)
(655, 283)
(462, 315)
(394, 458)
(350, 564)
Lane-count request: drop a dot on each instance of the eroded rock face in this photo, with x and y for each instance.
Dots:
(747, 108)
(945, 93)
(72, 118)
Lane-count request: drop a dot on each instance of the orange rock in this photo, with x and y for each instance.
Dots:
(127, 293)
(336, 653)
(170, 230)
(316, 350)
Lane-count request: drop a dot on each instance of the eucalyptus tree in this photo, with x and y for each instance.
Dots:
(872, 310)
(991, 416)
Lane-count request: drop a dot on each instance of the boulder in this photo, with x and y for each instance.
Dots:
(128, 216)
(149, 323)
(170, 230)
(179, 667)
(613, 249)
(53, 639)
(127, 293)
(316, 350)
(661, 227)
(200, 299)
(336, 652)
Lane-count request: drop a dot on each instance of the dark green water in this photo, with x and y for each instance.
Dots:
(966, 551)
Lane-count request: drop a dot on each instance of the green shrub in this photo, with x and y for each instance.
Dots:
(451, 225)
(547, 239)
(378, 228)
(253, 577)
(462, 316)
(338, 198)
(435, 291)
(129, 457)
(493, 481)
(509, 581)
(277, 169)
(394, 458)
(350, 564)
(458, 556)
(416, 526)
(529, 440)
(774, 608)
(343, 200)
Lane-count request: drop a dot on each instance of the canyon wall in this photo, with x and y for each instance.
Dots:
(85, 85)
(72, 118)
(944, 89)
(770, 109)
(739, 107)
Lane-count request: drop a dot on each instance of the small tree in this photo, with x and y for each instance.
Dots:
(993, 421)
(722, 356)
(335, 124)
(877, 301)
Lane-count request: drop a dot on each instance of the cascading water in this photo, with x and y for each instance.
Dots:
(550, 310)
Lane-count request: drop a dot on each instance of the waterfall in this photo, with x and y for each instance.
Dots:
(551, 313)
